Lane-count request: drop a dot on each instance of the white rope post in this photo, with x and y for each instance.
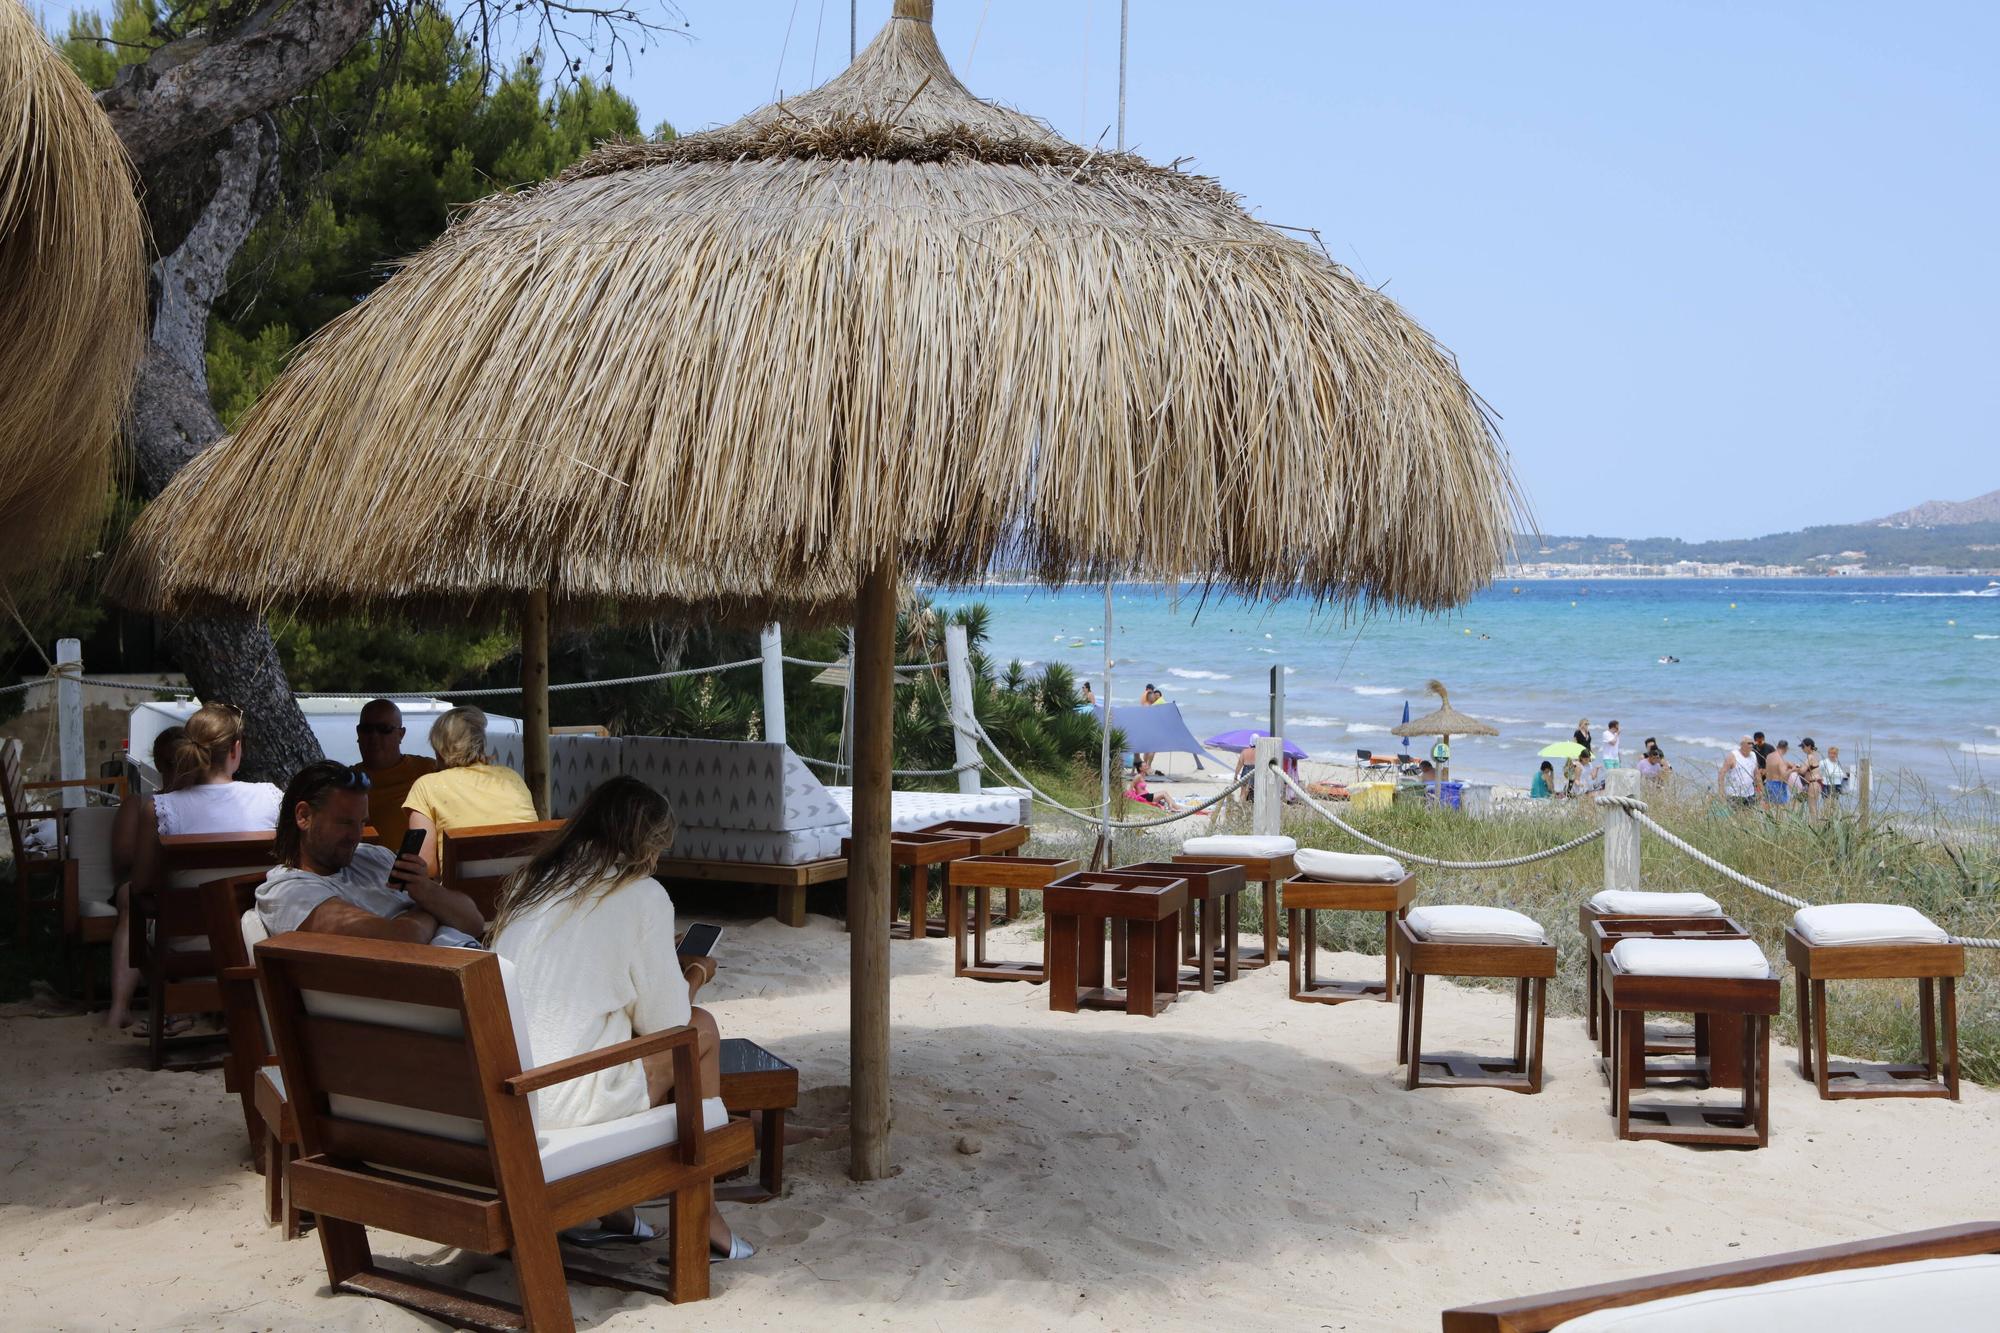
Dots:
(69, 718)
(771, 643)
(958, 672)
(1621, 830)
(1267, 801)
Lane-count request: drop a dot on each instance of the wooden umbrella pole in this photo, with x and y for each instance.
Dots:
(874, 679)
(535, 698)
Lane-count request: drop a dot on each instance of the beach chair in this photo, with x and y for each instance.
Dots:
(409, 1071)
(169, 925)
(1881, 941)
(1945, 1278)
(89, 893)
(39, 859)
(477, 860)
(1473, 942)
(250, 1070)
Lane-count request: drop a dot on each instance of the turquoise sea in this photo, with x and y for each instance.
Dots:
(1906, 670)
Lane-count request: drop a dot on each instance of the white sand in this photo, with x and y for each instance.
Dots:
(1130, 1173)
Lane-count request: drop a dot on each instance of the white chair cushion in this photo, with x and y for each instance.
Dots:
(1240, 844)
(1690, 958)
(492, 867)
(1867, 923)
(568, 1151)
(1638, 902)
(1475, 925)
(90, 848)
(1930, 1293)
(1349, 867)
(274, 1076)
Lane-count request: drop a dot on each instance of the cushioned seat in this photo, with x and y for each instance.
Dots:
(568, 1151)
(1930, 1293)
(1639, 902)
(275, 1077)
(1867, 923)
(1349, 867)
(1690, 958)
(1240, 844)
(1475, 925)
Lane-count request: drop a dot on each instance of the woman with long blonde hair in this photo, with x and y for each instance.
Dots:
(590, 933)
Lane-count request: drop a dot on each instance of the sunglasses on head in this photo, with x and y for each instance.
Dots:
(376, 729)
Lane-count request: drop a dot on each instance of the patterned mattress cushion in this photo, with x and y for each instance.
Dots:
(760, 786)
(913, 810)
(576, 765)
(758, 847)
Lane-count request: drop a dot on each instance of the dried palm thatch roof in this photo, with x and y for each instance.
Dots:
(73, 293)
(1444, 720)
(881, 317)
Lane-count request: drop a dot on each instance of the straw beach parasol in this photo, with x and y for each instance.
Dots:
(881, 328)
(73, 289)
(1444, 721)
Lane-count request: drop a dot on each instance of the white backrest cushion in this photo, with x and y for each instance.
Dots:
(756, 785)
(1690, 958)
(490, 867)
(90, 848)
(1867, 923)
(188, 879)
(1240, 844)
(1959, 1293)
(1639, 902)
(1475, 925)
(1349, 867)
(254, 934)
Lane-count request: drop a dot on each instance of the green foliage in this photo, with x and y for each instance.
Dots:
(97, 50)
(367, 657)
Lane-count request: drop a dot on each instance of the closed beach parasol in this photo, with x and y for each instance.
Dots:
(73, 289)
(1444, 721)
(881, 328)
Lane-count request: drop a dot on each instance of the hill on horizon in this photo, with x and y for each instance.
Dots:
(1945, 513)
(1869, 545)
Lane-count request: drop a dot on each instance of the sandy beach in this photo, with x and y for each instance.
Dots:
(1242, 1153)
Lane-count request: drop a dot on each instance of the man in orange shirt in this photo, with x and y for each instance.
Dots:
(390, 771)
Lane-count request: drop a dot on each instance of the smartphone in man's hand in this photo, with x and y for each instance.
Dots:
(413, 845)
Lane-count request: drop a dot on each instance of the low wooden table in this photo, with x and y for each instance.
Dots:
(753, 1079)
(1305, 898)
(1928, 965)
(988, 839)
(1532, 966)
(916, 853)
(1209, 924)
(1748, 1003)
(1078, 908)
(978, 876)
(1714, 1054)
(1270, 871)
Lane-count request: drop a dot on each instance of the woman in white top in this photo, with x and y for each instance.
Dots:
(590, 933)
(200, 795)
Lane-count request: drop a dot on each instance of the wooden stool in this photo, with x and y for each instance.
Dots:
(1477, 952)
(978, 876)
(1305, 899)
(753, 1079)
(1269, 871)
(1616, 904)
(1210, 931)
(916, 853)
(1077, 908)
(988, 839)
(1878, 942)
(1650, 975)
(1714, 1053)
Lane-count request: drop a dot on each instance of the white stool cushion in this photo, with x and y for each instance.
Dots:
(568, 1151)
(1930, 1293)
(1475, 925)
(1639, 902)
(1867, 923)
(1349, 867)
(1240, 844)
(1690, 958)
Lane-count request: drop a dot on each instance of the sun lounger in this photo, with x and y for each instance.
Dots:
(1946, 1278)
(1473, 942)
(1854, 941)
(409, 1070)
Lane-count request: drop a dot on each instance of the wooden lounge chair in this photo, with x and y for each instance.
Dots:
(1945, 1278)
(251, 1068)
(169, 925)
(34, 866)
(476, 861)
(408, 1069)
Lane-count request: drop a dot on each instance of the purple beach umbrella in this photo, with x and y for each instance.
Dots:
(1244, 737)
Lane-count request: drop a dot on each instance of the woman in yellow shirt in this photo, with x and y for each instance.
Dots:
(466, 791)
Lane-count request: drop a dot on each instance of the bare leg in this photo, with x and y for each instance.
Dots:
(124, 977)
(660, 1091)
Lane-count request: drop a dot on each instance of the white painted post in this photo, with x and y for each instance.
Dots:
(1267, 792)
(958, 673)
(1621, 831)
(771, 642)
(69, 718)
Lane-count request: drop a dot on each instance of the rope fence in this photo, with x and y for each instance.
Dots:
(1582, 840)
(897, 772)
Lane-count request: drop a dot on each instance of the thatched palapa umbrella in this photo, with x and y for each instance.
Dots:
(72, 303)
(882, 328)
(1444, 721)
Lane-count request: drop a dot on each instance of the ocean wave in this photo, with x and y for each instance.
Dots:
(1366, 729)
(1241, 714)
(1314, 721)
(1186, 674)
(1204, 691)
(1971, 747)
(1986, 636)
(1378, 689)
(1704, 742)
(1968, 592)
(1499, 721)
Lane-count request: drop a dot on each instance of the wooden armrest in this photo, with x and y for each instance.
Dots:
(592, 1062)
(245, 973)
(114, 786)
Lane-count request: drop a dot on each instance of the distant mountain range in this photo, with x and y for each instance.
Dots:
(1947, 513)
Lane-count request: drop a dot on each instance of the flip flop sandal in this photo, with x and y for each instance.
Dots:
(594, 1237)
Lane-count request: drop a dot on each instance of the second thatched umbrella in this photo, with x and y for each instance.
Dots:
(881, 328)
(1445, 722)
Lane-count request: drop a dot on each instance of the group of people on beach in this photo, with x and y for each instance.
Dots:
(1583, 772)
(1759, 773)
(589, 930)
